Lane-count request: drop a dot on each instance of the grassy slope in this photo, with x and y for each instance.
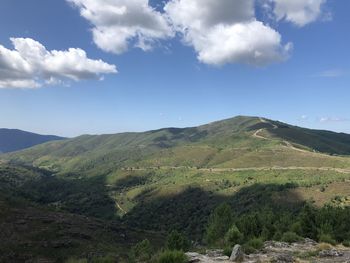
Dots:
(230, 143)
(151, 176)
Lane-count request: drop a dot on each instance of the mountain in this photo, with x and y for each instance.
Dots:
(14, 140)
(240, 142)
(150, 183)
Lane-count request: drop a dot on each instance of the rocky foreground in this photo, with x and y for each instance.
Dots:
(278, 252)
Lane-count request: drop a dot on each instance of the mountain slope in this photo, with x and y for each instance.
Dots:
(240, 142)
(14, 140)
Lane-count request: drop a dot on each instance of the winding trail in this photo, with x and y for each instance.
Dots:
(120, 208)
(274, 126)
(274, 168)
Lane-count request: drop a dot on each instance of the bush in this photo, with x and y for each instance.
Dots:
(256, 243)
(233, 236)
(228, 251)
(346, 243)
(171, 256)
(106, 259)
(290, 237)
(73, 260)
(142, 251)
(219, 223)
(177, 241)
(248, 249)
(326, 238)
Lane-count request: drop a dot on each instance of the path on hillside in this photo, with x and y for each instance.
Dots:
(274, 168)
(120, 208)
(274, 126)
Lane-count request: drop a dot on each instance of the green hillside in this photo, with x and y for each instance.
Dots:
(234, 143)
(158, 181)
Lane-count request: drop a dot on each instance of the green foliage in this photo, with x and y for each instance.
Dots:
(171, 256)
(219, 223)
(233, 236)
(73, 260)
(308, 221)
(256, 243)
(105, 259)
(326, 238)
(177, 241)
(346, 243)
(141, 252)
(290, 237)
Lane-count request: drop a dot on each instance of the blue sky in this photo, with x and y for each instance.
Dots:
(169, 85)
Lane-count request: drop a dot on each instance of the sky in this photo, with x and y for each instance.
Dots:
(72, 67)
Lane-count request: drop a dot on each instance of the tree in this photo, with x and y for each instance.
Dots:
(233, 236)
(219, 223)
(141, 252)
(177, 241)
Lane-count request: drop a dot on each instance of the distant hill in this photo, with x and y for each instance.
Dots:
(14, 140)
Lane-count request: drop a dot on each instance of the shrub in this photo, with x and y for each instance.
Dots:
(142, 251)
(256, 243)
(106, 259)
(219, 223)
(346, 243)
(326, 238)
(233, 236)
(277, 236)
(248, 249)
(73, 260)
(177, 241)
(171, 256)
(227, 251)
(290, 237)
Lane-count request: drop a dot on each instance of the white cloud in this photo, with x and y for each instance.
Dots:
(30, 65)
(226, 31)
(332, 73)
(220, 31)
(118, 23)
(299, 12)
(333, 119)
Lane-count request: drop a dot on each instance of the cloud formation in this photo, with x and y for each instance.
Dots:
(31, 65)
(226, 31)
(220, 31)
(120, 23)
(299, 12)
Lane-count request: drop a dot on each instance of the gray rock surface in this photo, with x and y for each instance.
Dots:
(279, 252)
(237, 254)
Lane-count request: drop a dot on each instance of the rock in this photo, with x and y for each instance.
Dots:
(237, 254)
(215, 253)
(330, 253)
(310, 241)
(284, 258)
(193, 257)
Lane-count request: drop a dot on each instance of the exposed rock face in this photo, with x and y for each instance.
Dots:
(278, 252)
(237, 254)
(330, 253)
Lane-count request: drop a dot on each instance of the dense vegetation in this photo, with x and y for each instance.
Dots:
(327, 224)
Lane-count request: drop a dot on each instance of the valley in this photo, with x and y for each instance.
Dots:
(145, 185)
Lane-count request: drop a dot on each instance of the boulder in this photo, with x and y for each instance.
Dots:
(283, 258)
(330, 253)
(237, 254)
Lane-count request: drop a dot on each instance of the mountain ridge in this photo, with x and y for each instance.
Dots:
(239, 142)
(15, 139)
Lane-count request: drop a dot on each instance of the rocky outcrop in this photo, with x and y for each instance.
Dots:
(278, 252)
(237, 254)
